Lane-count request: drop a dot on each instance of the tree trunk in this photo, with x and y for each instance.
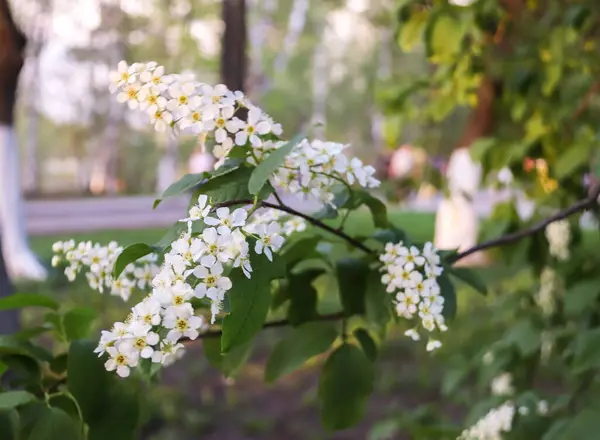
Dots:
(457, 223)
(233, 51)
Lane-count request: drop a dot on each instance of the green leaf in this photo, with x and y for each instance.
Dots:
(572, 159)
(303, 296)
(232, 186)
(183, 185)
(367, 343)
(524, 336)
(581, 297)
(59, 363)
(391, 235)
(12, 345)
(411, 30)
(444, 37)
(267, 167)
(378, 303)
(65, 403)
(449, 295)
(249, 301)
(129, 255)
(229, 363)
(301, 249)
(479, 149)
(20, 300)
(25, 370)
(109, 404)
(12, 399)
(78, 322)
(376, 206)
(55, 424)
(301, 344)
(587, 350)
(344, 386)
(352, 276)
(9, 424)
(471, 277)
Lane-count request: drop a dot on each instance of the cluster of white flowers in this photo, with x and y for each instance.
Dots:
(311, 169)
(559, 237)
(545, 298)
(502, 385)
(196, 266)
(411, 275)
(97, 263)
(500, 420)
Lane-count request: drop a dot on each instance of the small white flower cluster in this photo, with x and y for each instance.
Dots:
(545, 298)
(311, 169)
(97, 262)
(502, 385)
(492, 425)
(411, 275)
(559, 237)
(499, 420)
(196, 267)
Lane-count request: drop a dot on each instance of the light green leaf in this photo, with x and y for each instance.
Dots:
(344, 386)
(129, 255)
(12, 399)
(445, 37)
(587, 350)
(573, 158)
(78, 322)
(20, 300)
(249, 301)
(301, 249)
(367, 343)
(479, 149)
(524, 336)
(411, 30)
(376, 206)
(183, 185)
(471, 277)
(229, 363)
(267, 167)
(352, 276)
(553, 73)
(301, 344)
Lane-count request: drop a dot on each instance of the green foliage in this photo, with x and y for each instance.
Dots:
(265, 169)
(78, 322)
(344, 386)
(232, 186)
(230, 362)
(129, 255)
(352, 276)
(20, 300)
(183, 185)
(12, 399)
(301, 344)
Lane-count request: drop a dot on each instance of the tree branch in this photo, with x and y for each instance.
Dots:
(272, 324)
(582, 205)
(313, 221)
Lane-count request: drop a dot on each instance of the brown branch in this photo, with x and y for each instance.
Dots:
(272, 324)
(313, 221)
(585, 102)
(582, 205)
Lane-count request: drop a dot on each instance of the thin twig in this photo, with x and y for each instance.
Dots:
(582, 205)
(313, 221)
(272, 324)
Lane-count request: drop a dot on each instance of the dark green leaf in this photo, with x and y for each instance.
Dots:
(303, 296)
(391, 235)
(301, 344)
(249, 301)
(9, 425)
(378, 303)
(471, 277)
(301, 249)
(231, 186)
(376, 206)
(267, 167)
(55, 424)
(20, 300)
(344, 386)
(109, 404)
(25, 370)
(12, 399)
(12, 345)
(65, 403)
(571, 160)
(78, 322)
(129, 255)
(183, 185)
(367, 343)
(59, 363)
(581, 297)
(524, 336)
(229, 363)
(587, 350)
(449, 295)
(352, 280)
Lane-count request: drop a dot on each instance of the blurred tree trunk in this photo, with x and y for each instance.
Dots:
(295, 27)
(233, 50)
(12, 44)
(262, 12)
(320, 83)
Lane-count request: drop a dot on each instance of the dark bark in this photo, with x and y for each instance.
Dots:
(12, 46)
(233, 51)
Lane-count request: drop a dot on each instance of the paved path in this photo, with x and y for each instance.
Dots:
(135, 212)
